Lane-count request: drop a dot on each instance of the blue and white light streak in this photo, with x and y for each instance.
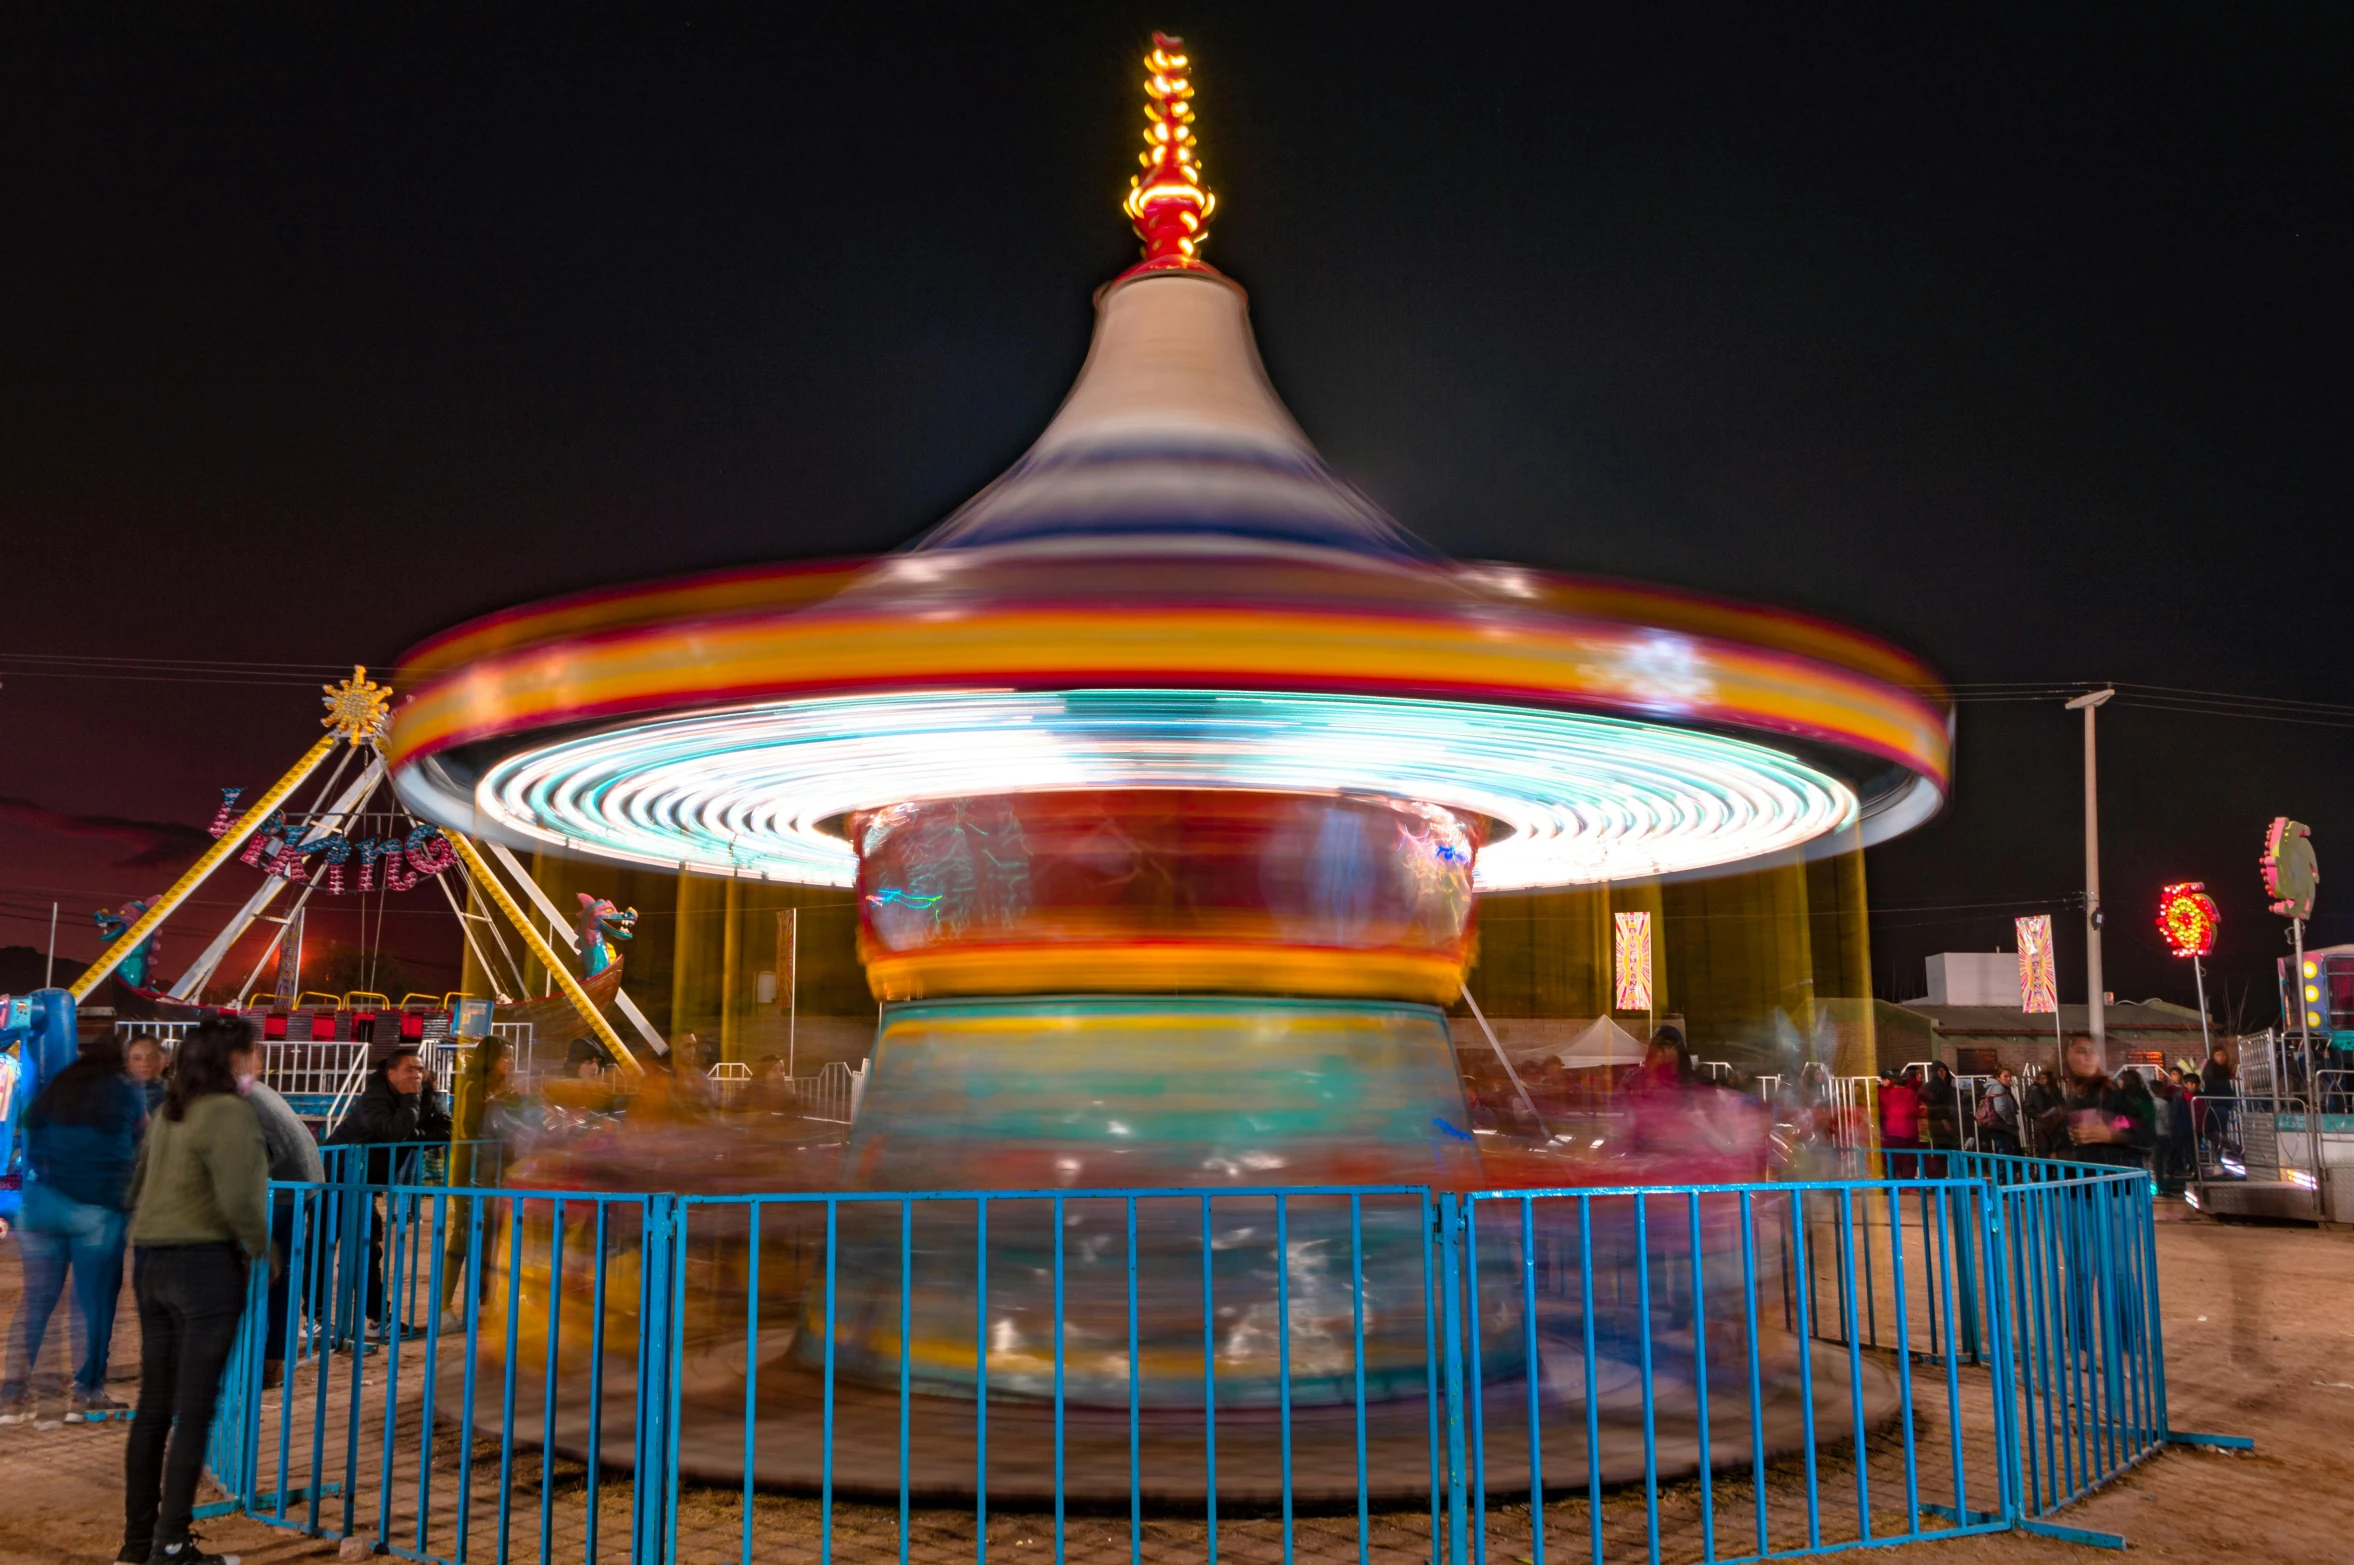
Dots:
(760, 790)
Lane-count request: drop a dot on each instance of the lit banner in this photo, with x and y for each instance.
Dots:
(2039, 978)
(1631, 966)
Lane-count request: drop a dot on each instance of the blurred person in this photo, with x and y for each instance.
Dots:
(1900, 1125)
(509, 1119)
(2109, 1122)
(2219, 1079)
(1666, 1063)
(1683, 1120)
(498, 1126)
(1805, 1100)
(200, 1213)
(81, 1137)
(489, 1106)
(294, 1159)
(587, 1060)
(144, 1063)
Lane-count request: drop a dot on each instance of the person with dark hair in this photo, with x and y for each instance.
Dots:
(394, 1109)
(2182, 1123)
(1667, 1062)
(2218, 1105)
(1998, 1115)
(588, 1060)
(2042, 1115)
(200, 1211)
(2133, 1115)
(81, 1135)
(144, 1062)
(1941, 1116)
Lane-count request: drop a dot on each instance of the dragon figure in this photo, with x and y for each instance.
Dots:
(137, 968)
(601, 923)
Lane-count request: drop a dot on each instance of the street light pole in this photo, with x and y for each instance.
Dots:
(2089, 704)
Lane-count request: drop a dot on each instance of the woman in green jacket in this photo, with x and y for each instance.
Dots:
(200, 1213)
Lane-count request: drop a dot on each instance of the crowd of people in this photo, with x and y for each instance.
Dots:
(2135, 1117)
(170, 1165)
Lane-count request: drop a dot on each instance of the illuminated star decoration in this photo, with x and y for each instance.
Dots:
(356, 707)
(1168, 202)
(2188, 918)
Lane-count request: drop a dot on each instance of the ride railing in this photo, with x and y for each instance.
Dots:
(2257, 1138)
(1685, 1372)
(832, 1094)
(305, 1069)
(165, 1035)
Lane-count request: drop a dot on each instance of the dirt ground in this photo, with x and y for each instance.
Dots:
(2259, 1337)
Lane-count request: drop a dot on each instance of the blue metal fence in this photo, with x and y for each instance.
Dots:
(1716, 1373)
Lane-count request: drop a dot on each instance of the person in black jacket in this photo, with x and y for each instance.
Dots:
(396, 1110)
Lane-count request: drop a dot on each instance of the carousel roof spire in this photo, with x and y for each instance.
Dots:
(1168, 201)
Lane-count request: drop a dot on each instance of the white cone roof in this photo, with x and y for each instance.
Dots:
(1172, 432)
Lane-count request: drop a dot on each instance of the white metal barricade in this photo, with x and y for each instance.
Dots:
(833, 1094)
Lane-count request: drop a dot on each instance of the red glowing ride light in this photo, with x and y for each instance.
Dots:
(2188, 918)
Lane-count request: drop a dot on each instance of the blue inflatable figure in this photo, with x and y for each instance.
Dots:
(601, 923)
(136, 969)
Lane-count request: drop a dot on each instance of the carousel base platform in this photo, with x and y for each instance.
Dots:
(1171, 1456)
(2276, 1201)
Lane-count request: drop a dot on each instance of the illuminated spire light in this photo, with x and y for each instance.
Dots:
(1168, 202)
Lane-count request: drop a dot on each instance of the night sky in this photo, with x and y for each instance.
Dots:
(2025, 344)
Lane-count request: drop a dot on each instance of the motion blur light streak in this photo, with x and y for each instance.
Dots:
(760, 790)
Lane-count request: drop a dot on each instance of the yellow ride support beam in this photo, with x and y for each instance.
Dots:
(539, 947)
(214, 857)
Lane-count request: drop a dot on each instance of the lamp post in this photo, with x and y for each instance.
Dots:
(2088, 704)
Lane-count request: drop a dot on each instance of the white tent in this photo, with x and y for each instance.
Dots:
(1604, 1043)
(1578, 1046)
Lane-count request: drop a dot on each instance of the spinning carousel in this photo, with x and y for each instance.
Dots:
(1170, 774)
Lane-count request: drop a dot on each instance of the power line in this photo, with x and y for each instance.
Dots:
(115, 660)
(179, 671)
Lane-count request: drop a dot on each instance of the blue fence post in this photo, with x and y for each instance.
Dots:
(1451, 1208)
(1965, 1269)
(233, 1440)
(650, 1523)
(2009, 1448)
